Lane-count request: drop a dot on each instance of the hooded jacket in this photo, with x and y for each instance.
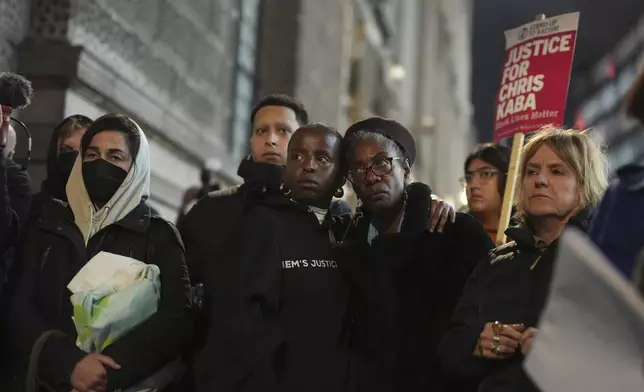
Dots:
(51, 187)
(207, 224)
(57, 245)
(134, 189)
(404, 289)
(278, 307)
(509, 286)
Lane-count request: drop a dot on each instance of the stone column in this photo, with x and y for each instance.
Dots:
(46, 58)
(279, 31)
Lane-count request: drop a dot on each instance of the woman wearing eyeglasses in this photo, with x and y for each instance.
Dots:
(484, 182)
(405, 280)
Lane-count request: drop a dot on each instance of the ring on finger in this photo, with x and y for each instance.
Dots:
(498, 327)
(496, 347)
(496, 344)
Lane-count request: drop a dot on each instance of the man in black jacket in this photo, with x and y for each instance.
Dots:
(205, 227)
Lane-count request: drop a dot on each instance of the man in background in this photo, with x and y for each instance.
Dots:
(273, 120)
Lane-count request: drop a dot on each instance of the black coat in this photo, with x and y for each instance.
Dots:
(19, 188)
(208, 229)
(207, 224)
(507, 287)
(15, 214)
(404, 289)
(52, 253)
(270, 331)
(8, 219)
(15, 200)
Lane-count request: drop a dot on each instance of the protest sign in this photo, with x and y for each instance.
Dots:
(591, 333)
(536, 75)
(534, 88)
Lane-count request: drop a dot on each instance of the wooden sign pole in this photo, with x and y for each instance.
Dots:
(512, 177)
(510, 186)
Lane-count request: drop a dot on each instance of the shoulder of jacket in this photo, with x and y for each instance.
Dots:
(468, 219)
(160, 224)
(505, 251)
(223, 192)
(215, 199)
(51, 209)
(466, 224)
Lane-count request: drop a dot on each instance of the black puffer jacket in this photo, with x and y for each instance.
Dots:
(510, 286)
(404, 289)
(205, 228)
(52, 253)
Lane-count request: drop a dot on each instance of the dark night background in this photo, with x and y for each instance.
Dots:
(602, 24)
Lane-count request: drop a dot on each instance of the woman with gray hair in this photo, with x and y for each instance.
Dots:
(405, 280)
(562, 177)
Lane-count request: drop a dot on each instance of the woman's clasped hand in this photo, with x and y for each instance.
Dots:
(501, 341)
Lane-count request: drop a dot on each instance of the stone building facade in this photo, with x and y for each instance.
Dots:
(167, 64)
(303, 51)
(187, 71)
(410, 60)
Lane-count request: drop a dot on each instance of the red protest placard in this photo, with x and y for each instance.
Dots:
(536, 74)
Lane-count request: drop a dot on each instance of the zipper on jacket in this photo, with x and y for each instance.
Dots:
(61, 299)
(45, 256)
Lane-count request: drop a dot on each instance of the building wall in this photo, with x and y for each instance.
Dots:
(168, 64)
(429, 40)
(173, 67)
(322, 58)
(303, 51)
(601, 92)
(444, 120)
(14, 22)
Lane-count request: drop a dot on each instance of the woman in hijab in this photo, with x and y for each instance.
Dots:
(107, 189)
(64, 146)
(562, 177)
(405, 280)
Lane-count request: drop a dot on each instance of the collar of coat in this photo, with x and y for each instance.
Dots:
(260, 176)
(525, 238)
(415, 217)
(138, 220)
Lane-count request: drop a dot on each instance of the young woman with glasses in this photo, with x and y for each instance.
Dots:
(484, 181)
(405, 281)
